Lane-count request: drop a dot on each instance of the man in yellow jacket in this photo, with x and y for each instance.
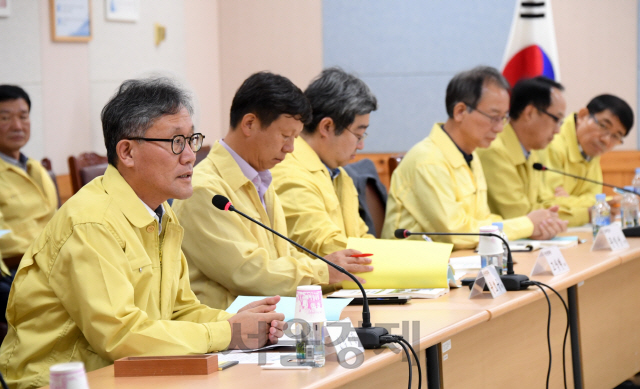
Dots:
(319, 198)
(229, 255)
(584, 136)
(440, 186)
(515, 188)
(28, 197)
(107, 279)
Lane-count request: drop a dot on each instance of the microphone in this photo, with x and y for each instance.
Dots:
(369, 336)
(510, 280)
(541, 167)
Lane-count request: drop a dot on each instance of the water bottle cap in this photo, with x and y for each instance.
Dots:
(601, 197)
(630, 187)
(637, 171)
(498, 224)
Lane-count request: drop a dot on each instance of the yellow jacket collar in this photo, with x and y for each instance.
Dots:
(126, 199)
(307, 156)
(569, 132)
(227, 166)
(449, 149)
(511, 142)
(4, 165)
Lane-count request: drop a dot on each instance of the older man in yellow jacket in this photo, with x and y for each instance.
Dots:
(440, 186)
(319, 198)
(515, 188)
(107, 279)
(583, 138)
(28, 197)
(229, 255)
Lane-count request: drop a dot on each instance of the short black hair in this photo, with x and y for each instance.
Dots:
(535, 91)
(616, 105)
(466, 87)
(136, 106)
(340, 96)
(268, 96)
(14, 92)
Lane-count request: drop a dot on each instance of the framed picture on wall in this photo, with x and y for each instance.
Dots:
(122, 10)
(5, 8)
(70, 20)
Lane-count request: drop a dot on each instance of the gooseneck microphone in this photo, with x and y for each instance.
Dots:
(541, 167)
(510, 280)
(369, 336)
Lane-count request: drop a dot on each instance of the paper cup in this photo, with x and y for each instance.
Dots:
(490, 245)
(309, 305)
(68, 376)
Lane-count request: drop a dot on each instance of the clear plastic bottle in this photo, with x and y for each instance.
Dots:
(629, 209)
(310, 345)
(600, 213)
(636, 181)
(506, 251)
(490, 249)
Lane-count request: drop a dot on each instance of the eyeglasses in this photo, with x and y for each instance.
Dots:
(361, 138)
(616, 137)
(494, 119)
(556, 119)
(178, 142)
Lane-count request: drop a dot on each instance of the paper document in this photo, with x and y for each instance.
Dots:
(429, 293)
(558, 241)
(287, 306)
(256, 357)
(470, 263)
(403, 263)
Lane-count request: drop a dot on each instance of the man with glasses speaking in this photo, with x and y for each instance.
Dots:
(440, 186)
(515, 188)
(107, 279)
(584, 136)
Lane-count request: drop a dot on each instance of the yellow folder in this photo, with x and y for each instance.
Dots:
(403, 263)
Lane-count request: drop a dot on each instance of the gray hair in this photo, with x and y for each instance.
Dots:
(340, 96)
(136, 106)
(466, 87)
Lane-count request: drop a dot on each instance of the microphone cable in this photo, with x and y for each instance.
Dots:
(566, 332)
(399, 339)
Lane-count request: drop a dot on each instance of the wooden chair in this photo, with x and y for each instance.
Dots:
(84, 168)
(394, 161)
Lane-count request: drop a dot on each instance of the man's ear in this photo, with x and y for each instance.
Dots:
(459, 110)
(528, 112)
(249, 124)
(326, 127)
(126, 149)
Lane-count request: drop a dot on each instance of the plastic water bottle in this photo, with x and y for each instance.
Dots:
(505, 255)
(310, 345)
(629, 209)
(600, 213)
(490, 249)
(636, 181)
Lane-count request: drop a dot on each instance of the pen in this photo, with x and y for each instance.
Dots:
(226, 365)
(360, 255)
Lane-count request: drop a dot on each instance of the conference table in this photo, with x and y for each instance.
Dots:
(481, 342)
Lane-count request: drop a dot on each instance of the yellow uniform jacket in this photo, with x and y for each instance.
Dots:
(100, 284)
(514, 187)
(229, 255)
(564, 154)
(28, 200)
(321, 213)
(434, 190)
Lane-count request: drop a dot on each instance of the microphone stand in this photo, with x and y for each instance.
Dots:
(511, 281)
(541, 167)
(369, 336)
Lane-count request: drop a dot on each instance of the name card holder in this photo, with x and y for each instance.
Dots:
(610, 237)
(488, 276)
(550, 259)
(344, 341)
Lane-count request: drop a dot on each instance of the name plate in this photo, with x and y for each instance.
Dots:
(610, 237)
(550, 259)
(488, 276)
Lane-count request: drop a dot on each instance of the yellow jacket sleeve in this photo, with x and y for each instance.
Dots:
(321, 214)
(91, 279)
